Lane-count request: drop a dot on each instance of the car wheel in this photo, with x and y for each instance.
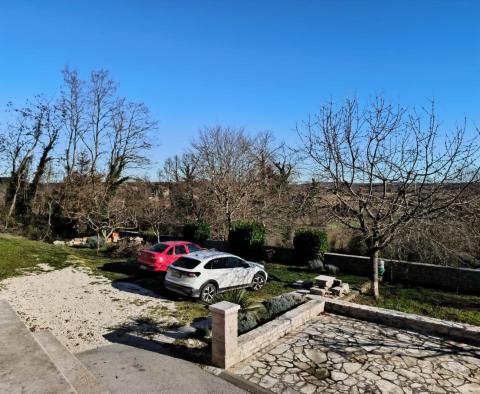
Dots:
(258, 282)
(208, 292)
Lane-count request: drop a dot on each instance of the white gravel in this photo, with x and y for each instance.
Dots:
(77, 307)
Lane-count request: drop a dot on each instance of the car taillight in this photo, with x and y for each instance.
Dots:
(193, 274)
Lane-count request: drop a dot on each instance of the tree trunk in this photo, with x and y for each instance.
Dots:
(10, 210)
(374, 261)
(98, 243)
(41, 167)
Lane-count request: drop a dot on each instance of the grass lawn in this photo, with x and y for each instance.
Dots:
(429, 302)
(281, 276)
(18, 255)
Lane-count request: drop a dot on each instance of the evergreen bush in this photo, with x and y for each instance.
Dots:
(247, 239)
(278, 305)
(197, 231)
(309, 244)
(246, 322)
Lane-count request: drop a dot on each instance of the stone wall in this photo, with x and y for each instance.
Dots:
(266, 334)
(463, 280)
(222, 246)
(427, 325)
(228, 348)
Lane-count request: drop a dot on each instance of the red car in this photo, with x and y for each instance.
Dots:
(161, 255)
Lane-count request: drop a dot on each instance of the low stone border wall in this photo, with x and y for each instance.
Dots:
(428, 325)
(228, 348)
(464, 280)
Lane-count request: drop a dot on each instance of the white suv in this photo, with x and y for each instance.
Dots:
(206, 273)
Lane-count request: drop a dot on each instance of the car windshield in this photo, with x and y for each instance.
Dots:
(159, 248)
(186, 262)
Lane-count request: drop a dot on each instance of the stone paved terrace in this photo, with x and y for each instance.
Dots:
(337, 354)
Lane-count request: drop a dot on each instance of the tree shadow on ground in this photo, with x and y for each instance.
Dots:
(139, 282)
(127, 267)
(141, 333)
(386, 337)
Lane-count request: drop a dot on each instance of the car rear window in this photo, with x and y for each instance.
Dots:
(186, 262)
(159, 248)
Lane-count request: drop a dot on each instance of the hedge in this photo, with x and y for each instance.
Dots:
(197, 231)
(309, 244)
(247, 239)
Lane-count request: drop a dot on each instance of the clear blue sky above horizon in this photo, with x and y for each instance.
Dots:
(261, 65)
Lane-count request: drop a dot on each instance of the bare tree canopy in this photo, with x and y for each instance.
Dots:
(34, 131)
(100, 137)
(387, 167)
(225, 164)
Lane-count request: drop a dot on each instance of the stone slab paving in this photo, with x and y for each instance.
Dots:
(336, 354)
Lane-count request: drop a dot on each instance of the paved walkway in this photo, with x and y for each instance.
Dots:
(130, 370)
(342, 355)
(24, 365)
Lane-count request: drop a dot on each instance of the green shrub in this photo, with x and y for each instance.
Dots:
(357, 246)
(246, 321)
(239, 296)
(315, 265)
(124, 248)
(332, 270)
(197, 231)
(309, 245)
(34, 232)
(94, 242)
(278, 305)
(246, 239)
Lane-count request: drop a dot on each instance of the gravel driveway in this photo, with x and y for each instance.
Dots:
(77, 307)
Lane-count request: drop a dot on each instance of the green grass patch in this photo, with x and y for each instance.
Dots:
(428, 302)
(280, 278)
(18, 255)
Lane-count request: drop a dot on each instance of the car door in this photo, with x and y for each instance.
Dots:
(240, 273)
(218, 271)
(169, 256)
(179, 251)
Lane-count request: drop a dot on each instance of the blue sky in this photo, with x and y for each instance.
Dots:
(262, 65)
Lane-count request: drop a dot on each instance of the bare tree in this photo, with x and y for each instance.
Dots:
(53, 122)
(385, 168)
(23, 137)
(155, 213)
(274, 195)
(189, 199)
(106, 136)
(130, 123)
(100, 101)
(73, 107)
(225, 164)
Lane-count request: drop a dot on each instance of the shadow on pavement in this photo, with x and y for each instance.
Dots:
(176, 350)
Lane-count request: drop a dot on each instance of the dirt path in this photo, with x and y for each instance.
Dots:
(77, 307)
